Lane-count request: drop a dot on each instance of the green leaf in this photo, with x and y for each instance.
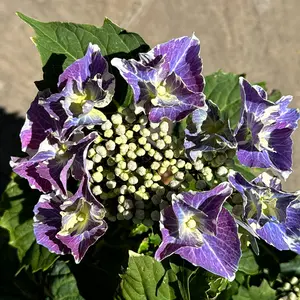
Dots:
(16, 213)
(291, 267)
(223, 89)
(248, 263)
(274, 95)
(248, 173)
(62, 282)
(263, 292)
(146, 279)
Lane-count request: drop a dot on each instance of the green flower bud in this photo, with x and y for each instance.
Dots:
(155, 165)
(120, 130)
(110, 145)
(158, 156)
(145, 132)
(91, 152)
(89, 164)
(110, 176)
(141, 171)
(136, 128)
(151, 152)
(132, 146)
(140, 152)
(162, 170)
(118, 158)
(287, 286)
(154, 186)
(162, 134)
(118, 171)
(294, 280)
(123, 189)
(120, 217)
(198, 165)
(136, 221)
(121, 199)
(97, 177)
(222, 171)
(165, 164)
(133, 180)
(130, 118)
(163, 204)
(174, 184)
(124, 176)
(131, 189)
(128, 204)
(111, 184)
(120, 208)
(104, 196)
(231, 153)
(106, 125)
(174, 170)
(112, 218)
(122, 165)
(237, 198)
(156, 199)
(179, 175)
(98, 140)
(169, 154)
(155, 215)
(173, 162)
(118, 140)
(148, 183)
(101, 150)
(131, 155)
(168, 139)
(116, 119)
(160, 144)
(160, 191)
(142, 188)
(99, 169)
(139, 204)
(156, 177)
(97, 190)
(140, 214)
(206, 171)
(96, 158)
(148, 222)
(143, 120)
(200, 184)
(188, 166)
(147, 147)
(142, 140)
(154, 136)
(208, 156)
(108, 133)
(129, 134)
(123, 149)
(164, 126)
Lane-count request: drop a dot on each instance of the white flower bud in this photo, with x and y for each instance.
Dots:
(97, 177)
(111, 184)
(160, 144)
(140, 214)
(99, 169)
(198, 165)
(136, 128)
(188, 166)
(142, 188)
(108, 133)
(174, 170)
(131, 155)
(128, 204)
(96, 158)
(151, 152)
(154, 136)
(147, 147)
(206, 171)
(139, 204)
(132, 146)
(169, 154)
(124, 139)
(133, 180)
(163, 204)
(89, 164)
(123, 149)
(156, 177)
(129, 134)
(101, 150)
(141, 171)
(124, 176)
(179, 176)
(118, 140)
(180, 163)
(162, 170)
(148, 176)
(145, 132)
(173, 162)
(123, 189)
(120, 208)
(222, 171)
(97, 190)
(110, 145)
(140, 152)
(120, 130)
(118, 158)
(148, 183)
(121, 199)
(154, 125)
(131, 189)
(174, 184)
(106, 125)
(155, 215)
(116, 119)
(165, 164)
(91, 152)
(158, 156)
(131, 165)
(148, 222)
(143, 120)
(155, 165)
(122, 165)
(164, 126)
(154, 186)
(168, 139)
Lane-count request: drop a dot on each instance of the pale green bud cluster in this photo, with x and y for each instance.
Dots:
(136, 166)
(288, 289)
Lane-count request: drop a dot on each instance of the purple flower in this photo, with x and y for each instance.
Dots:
(49, 168)
(273, 214)
(69, 226)
(206, 132)
(197, 228)
(86, 85)
(264, 131)
(167, 81)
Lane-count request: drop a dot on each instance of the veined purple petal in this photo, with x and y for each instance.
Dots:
(264, 131)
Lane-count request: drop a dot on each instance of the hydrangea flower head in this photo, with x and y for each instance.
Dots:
(167, 81)
(274, 215)
(197, 228)
(264, 131)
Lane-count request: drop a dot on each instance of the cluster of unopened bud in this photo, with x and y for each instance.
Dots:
(136, 166)
(288, 289)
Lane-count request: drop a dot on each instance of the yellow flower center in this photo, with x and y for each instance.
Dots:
(191, 223)
(161, 90)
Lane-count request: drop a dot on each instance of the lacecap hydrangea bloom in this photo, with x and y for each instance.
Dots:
(162, 160)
